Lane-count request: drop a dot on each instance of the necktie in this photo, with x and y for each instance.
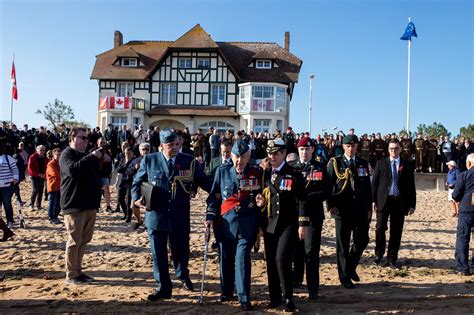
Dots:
(395, 178)
(352, 165)
(170, 168)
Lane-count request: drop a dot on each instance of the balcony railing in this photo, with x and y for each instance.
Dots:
(125, 103)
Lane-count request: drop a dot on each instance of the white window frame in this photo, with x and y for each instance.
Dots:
(119, 121)
(263, 64)
(206, 61)
(263, 124)
(132, 62)
(124, 89)
(188, 63)
(220, 93)
(170, 98)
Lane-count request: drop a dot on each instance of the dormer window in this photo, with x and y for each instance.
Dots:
(129, 62)
(264, 64)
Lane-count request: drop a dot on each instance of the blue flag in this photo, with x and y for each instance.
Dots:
(409, 32)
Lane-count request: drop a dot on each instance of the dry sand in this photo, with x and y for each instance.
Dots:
(118, 257)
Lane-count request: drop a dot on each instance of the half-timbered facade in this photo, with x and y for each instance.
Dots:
(196, 82)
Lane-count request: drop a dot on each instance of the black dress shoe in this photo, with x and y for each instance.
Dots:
(392, 264)
(290, 305)
(157, 295)
(246, 306)
(377, 261)
(188, 285)
(348, 284)
(355, 276)
(274, 304)
(224, 298)
(313, 296)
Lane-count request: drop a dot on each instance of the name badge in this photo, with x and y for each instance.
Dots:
(362, 171)
(286, 183)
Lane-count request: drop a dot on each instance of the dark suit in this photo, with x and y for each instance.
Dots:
(395, 207)
(171, 219)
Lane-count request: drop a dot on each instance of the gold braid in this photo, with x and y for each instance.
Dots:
(346, 176)
(183, 180)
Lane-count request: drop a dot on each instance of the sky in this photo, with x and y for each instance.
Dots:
(352, 47)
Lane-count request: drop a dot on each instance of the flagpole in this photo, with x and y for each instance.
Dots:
(408, 86)
(11, 97)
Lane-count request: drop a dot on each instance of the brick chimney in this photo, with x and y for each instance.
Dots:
(118, 39)
(287, 41)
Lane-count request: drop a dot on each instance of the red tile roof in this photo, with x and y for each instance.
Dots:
(238, 55)
(222, 111)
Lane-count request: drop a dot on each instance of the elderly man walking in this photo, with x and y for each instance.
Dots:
(464, 194)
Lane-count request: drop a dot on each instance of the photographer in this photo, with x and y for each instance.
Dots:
(80, 199)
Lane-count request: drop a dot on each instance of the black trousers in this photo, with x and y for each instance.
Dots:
(124, 199)
(348, 256)
(279, 248)
(393, 209)
(307, 253)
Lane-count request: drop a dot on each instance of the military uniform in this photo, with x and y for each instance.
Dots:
(285, 209)
(431, 148)
(378, 151)
(232, 207)
(364, 149)
(317, 189)
(420, 153)
(407, 149)
(353, 199)
(170, 218)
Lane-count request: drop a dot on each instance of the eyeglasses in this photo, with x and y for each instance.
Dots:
(393, 149)
(145, 149)
(84, 138)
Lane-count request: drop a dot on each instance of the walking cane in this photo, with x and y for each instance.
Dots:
(207, 237)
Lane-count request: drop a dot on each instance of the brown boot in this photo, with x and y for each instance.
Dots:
(7, 233)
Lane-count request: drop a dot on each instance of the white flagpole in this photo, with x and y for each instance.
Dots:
(311, 77)
(11, 95)
(408, 87)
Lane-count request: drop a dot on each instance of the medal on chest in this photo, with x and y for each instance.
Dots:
(286, 183)
(362, 172)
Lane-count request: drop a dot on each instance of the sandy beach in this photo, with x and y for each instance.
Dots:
(32, 270)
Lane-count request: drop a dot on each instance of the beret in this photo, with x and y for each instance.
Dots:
(167, 136)
(305, 142)
(240, 147)
(350, 139)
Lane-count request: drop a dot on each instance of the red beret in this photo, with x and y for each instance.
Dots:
(305, 142)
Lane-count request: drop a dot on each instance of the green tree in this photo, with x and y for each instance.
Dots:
(56, 113)
(436, 129)
(74, 123)
(467, 131)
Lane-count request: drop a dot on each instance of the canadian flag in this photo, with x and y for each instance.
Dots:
(13, 78)
(119, 102)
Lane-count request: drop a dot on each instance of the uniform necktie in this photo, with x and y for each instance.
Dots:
(170, 168)
(352, 165)
(395, 178)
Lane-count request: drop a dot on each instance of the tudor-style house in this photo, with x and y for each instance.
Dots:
(196, 82)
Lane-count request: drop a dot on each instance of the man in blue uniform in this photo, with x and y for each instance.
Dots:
(232, 206)
(174, 176)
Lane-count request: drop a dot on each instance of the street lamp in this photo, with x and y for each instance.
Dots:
(311, 77)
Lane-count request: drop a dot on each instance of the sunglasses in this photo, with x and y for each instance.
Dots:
(145, 149)
(84, 138)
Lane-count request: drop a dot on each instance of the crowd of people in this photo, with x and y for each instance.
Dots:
(278, 186)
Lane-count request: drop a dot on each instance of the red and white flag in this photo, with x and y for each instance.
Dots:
(119, 102)
(13, 78)
(103, 102)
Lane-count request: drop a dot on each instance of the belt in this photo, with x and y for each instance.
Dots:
(406, 149)
(419, 148)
